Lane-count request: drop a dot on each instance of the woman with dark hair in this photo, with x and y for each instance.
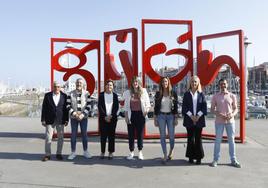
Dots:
(194, 109)
(165, 115)
(137, 105)
(108, 106)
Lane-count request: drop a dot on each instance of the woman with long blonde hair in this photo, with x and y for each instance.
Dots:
(194, 109)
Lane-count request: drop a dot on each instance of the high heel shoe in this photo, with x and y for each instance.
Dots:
(198, 161)
(170, 155)
(164, 161)
(191, 160)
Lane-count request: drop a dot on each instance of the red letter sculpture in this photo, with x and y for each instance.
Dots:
(160, 48)
(129, 60)
(207, 69)
(80, 53)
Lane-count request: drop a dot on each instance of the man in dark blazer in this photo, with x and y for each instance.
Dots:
(54, 115)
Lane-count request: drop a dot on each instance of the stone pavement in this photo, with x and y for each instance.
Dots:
(22, 147)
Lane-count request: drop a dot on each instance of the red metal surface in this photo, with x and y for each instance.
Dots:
(161, 48)
(128, 60)
(208, 68)
(80, 54)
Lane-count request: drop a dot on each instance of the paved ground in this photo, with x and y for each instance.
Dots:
(22, 147)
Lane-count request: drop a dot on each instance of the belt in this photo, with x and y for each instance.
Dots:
(166, 113)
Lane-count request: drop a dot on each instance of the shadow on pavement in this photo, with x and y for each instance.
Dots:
(116, 161)
(21, 135)
(21, 156)
(136, 163)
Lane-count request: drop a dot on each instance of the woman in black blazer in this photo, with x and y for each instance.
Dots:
(108, 106)
(194, 109)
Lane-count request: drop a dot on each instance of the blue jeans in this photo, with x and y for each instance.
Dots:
(83, 128)
(163, 122)
(230, 129)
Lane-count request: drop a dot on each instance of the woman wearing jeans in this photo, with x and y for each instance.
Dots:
(166, 114)
(137, 105)
(78, 105)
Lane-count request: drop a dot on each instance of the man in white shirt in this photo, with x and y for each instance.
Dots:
(54, 115)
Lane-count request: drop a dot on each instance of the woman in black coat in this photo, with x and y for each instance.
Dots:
(194, 109)
(108, 107)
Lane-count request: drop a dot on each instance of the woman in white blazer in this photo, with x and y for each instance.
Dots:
(137, 105)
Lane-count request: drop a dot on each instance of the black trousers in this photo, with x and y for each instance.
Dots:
(137, 126)
(194, 143)
(107, 130)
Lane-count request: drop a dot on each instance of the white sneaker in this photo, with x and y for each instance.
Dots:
(72, 156)
(110, 156)
(87, 155)
(236, 164)
(214, 164)
(140, 155)
(130, 156)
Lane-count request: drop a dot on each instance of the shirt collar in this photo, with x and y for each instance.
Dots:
(108, 93)
(54, 94)
(196, 92)
(79, 92)
(226, 92)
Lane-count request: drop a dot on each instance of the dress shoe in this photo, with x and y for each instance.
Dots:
(164, 160)
(170, 155)
(59, 157)
(198, 161)
(46, 158)
(102, 156)
(191, 160)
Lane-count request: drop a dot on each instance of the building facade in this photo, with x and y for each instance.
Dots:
(258, 78)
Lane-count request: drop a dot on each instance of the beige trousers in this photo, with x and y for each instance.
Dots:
(49, 133)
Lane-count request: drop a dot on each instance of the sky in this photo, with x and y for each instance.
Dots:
(26, 27)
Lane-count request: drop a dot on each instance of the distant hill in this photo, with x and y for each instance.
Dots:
(28, 105)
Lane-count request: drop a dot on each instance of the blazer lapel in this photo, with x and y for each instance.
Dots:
(191, 102)
(51, 100)
(61, 98)
(103, 103)
(198, 99)
(115, 103)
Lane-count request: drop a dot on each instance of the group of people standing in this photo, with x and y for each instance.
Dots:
(58, 107)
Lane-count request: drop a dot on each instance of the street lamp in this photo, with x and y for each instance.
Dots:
(68, 46)
(246, 43)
